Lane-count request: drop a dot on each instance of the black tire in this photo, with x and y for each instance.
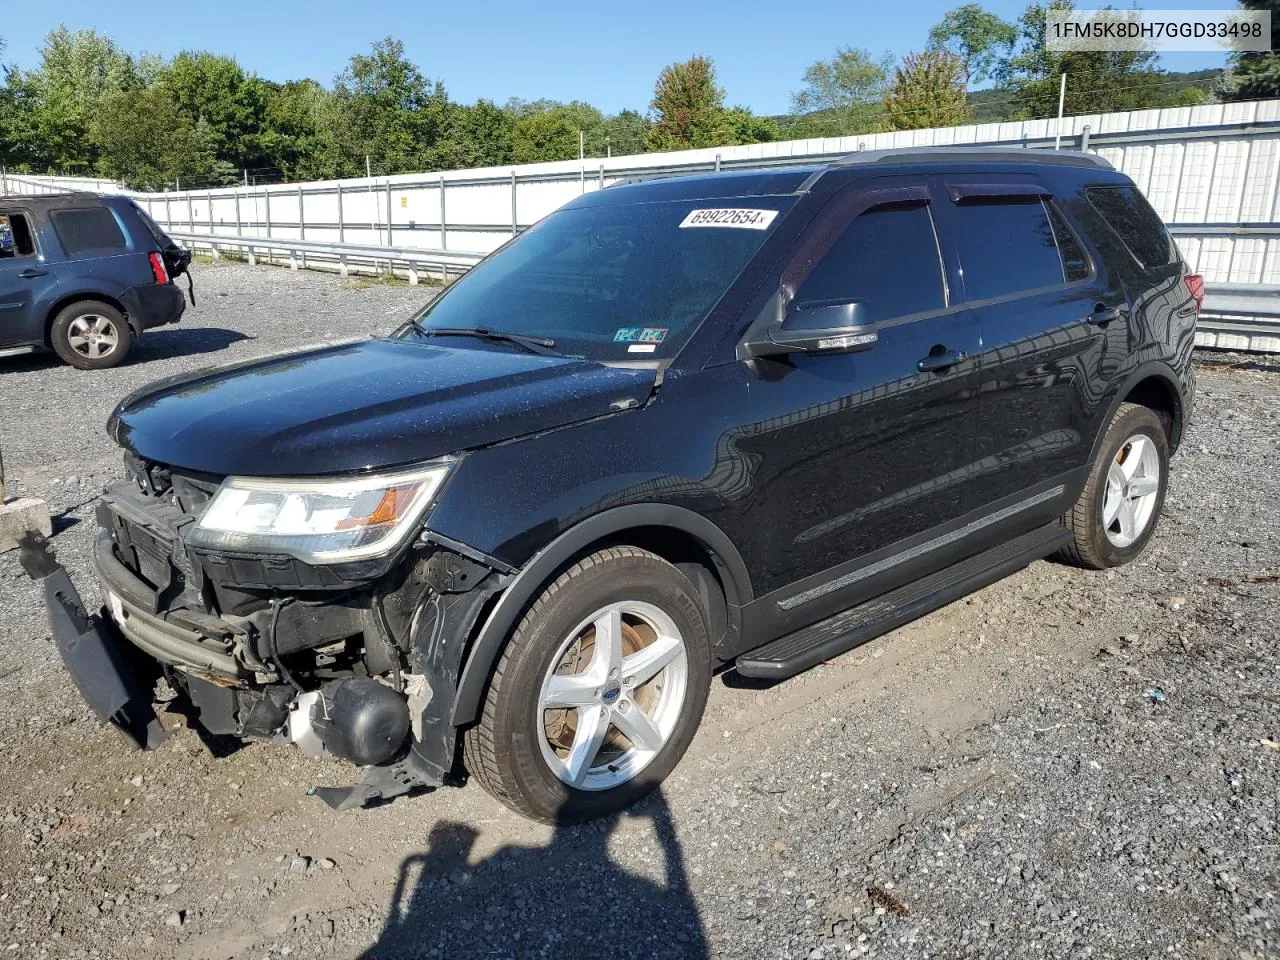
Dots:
(107, 330)
(504, 750)
(1091, 546)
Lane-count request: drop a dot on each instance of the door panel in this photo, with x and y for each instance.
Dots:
(855, 451)
(26, 281)
(1033, 290)
(858, 451)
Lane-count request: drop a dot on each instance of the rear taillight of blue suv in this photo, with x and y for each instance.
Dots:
(158, 269)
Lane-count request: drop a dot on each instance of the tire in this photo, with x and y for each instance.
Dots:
(1119, 508)
(541, 760)
(90, 335)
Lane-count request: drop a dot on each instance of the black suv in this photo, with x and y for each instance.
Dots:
(83, 275)
(736, 421)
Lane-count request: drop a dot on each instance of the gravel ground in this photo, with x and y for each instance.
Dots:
(1066, 764)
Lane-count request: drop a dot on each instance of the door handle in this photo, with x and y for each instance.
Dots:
(1102, 314)
(31, 273)
(940, 359)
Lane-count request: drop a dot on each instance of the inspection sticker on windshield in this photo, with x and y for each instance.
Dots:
(640, 334)
(735, 217)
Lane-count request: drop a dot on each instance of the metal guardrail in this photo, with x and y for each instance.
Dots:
(413, 260)
(1240, 316)
(1243, 299)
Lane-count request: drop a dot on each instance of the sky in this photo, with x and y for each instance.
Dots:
(606, 54)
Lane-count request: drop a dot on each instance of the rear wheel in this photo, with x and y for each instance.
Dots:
(1117, 512)
(599, 690)
(90, 335)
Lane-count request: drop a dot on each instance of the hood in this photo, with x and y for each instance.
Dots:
(367, 404)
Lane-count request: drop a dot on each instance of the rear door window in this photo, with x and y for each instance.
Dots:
(1139, 227)
(90, 229)
(887, 258)
(1007, 246)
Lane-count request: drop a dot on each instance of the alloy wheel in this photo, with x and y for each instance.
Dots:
(612, 696)
(1133, 487)
(92, 335)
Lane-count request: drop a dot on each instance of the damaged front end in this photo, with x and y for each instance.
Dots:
(356, 659)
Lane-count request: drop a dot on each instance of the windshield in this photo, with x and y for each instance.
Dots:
(614, 281)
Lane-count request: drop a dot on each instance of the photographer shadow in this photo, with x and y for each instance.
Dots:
(565, 899)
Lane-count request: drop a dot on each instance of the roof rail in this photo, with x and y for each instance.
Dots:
(58, 195)
(950, 154)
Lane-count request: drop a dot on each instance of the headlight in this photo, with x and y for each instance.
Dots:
(318, 521)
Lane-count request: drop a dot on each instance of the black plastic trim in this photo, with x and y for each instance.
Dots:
(1160, 370)
(524, 588)
(805, 648)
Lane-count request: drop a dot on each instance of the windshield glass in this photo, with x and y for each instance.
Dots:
(615, 281)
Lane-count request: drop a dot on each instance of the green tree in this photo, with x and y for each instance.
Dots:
(1256, 75)
(739, 125)
(625, 132)
(480, 135)
(295, 117)
(388, 111)
(213, 89)
(1098, 81)
(147, 142)
(928, 91)
(8, 116)
(55, 103)
(842, 95)
(552, 134)
(686, 106)
(977, 36)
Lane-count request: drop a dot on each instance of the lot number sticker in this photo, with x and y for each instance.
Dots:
(734, 217)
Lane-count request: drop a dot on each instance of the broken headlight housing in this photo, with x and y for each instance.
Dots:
(319, 520)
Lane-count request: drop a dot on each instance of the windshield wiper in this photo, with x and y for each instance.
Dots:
(539, 345)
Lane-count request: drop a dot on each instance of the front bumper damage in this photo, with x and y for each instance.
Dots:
(338, 662)
(100, 664)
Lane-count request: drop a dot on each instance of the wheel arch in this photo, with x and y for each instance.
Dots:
(677, 534)
(1154, 385)
(67, 299)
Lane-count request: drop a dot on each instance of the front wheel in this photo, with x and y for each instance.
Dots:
(1117, 512)
(598, 693)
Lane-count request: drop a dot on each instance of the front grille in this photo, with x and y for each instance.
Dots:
(147, 553)
(155, 481)
(146, 515)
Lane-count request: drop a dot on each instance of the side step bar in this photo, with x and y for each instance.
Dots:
(838, 634)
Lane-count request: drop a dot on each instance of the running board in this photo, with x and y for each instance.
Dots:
(838, 634)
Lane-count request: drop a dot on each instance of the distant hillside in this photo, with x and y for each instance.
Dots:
(989, 105)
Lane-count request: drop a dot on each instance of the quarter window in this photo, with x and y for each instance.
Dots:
(92, 228)
(1139, 227)
(888, 259)
(1006, 246)
(1075, 265)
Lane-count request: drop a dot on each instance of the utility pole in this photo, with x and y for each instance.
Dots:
(608, 147)
(582, 141)
(1062, 99)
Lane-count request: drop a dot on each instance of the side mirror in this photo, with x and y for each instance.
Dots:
(818, 326)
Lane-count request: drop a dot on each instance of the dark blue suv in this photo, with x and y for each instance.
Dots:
(83, 275)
